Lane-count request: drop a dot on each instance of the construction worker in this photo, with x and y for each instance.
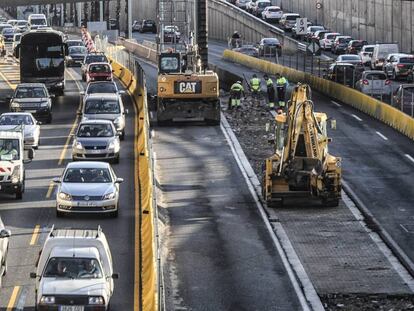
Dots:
(281, 85)
(270, 91)
(255, 87)
(236, 92)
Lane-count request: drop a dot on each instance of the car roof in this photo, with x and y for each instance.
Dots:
(95, 121)
(76, 252)
(73, 40)
(88, 164)
(17, 113)
(290, 14)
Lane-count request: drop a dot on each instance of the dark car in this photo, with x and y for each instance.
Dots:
(74, 42)
(344, 73)
(8, 34)
(147, 25)
(171, 34)
(249, 50)
(76, 55)
(340, 44)
(269, 47)
(355, 46)
(403, 98)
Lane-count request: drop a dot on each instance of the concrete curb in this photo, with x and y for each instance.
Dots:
(376, 227)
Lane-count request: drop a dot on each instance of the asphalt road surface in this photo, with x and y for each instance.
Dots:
(36, 210)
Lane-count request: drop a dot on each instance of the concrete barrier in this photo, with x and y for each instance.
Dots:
(371, 106)
(140, 50)
(145, 278)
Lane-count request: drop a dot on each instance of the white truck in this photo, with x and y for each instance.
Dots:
(74, 271)
(12, 160)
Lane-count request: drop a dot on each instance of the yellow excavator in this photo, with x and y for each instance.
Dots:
(301, 165)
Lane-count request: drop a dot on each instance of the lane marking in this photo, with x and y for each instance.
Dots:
(356, 117)
(35, 235)
(409, 157)
(75, 123)
(336, 104)
(11, 85)
(13, 298)
(50, 189)
(381, 135)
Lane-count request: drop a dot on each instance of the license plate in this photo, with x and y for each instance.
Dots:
(71, 308)
(95, 151)
(31, 111)
(86, 204)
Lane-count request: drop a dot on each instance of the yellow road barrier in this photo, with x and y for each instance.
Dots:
(369, 105)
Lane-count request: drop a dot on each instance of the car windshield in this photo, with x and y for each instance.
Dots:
(21, 23)
(292, 17)
(369, 49)
(376, 76)
(149, 23)
(169, 63)
(8, 30)
(96, 59)
(99, 69)
(30, 92)
(407, 60)
(16, 119)
(77, 50)
(270, 41)
(356, 43)
(102, 87)
(315, 28)
(274, 10)
(102, 106)
(9, 149)
(350, 57)
(263, 4)
(87, 175)
(73, 268)
(344, 40)
(95, 130)
(38, 21)
(74, 43)
(331, 36)
(387, 49)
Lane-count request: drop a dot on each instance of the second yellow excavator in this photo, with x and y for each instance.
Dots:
(301, 165)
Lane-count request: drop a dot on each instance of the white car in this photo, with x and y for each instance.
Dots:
(272, 13)
(328, 39)
(74, 271)
(4, 247)
(366, 54)
(88, 187)
(250, 5)
(31, 127)
(242, 4)
(374, 83)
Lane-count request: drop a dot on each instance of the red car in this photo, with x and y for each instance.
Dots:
(99, 72)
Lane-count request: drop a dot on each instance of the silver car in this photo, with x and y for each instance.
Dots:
(374, 83)
(97, 140)
(88, 187)
(31, 127)
(106, 107)
(102, 87)
(4, 247)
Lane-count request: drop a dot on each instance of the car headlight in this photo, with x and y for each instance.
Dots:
(65, 196)
(15, 105)
(109, 196)
(78, 145)
(15, 176)
(113, 145)
(96, 300)
(69, 57)
(44, 104)
(47, 299)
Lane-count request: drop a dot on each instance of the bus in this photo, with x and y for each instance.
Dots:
(42, 58)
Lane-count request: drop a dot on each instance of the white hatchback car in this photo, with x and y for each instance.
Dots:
(374, 83)
(328, 39)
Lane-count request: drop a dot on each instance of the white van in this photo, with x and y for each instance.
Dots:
(380, 53)
(74, 271)
(37, 20)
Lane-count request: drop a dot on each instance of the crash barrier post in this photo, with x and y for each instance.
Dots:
(149, 287)
(371, 106)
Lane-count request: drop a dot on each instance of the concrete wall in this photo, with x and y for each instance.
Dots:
(372, 20)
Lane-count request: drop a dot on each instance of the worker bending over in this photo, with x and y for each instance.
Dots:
(270, 91)
(236, 92)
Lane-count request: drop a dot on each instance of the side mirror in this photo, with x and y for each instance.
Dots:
(33, 275)
(121, 92)
(115, 276)
(333, 124)
(52, 95)
(119, 180)
(82, 93)
(5, 233)
(126, 111)
(56, 180)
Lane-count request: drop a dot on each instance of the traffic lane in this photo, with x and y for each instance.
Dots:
(220, 254)
(25, 217)
(378, 163)
(120, 232)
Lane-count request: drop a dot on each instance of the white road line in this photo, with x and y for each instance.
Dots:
(381, 135)
(336, 104)
(356, 117)
(409, 157)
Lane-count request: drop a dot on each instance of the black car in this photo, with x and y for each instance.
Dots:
(147, 25)
(344, 73)
(249, 50)
(76, 55)
(340, 45)
(355, 46)
(269, 46)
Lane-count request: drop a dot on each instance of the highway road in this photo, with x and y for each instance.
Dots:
(378, 162)
(31, 218)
